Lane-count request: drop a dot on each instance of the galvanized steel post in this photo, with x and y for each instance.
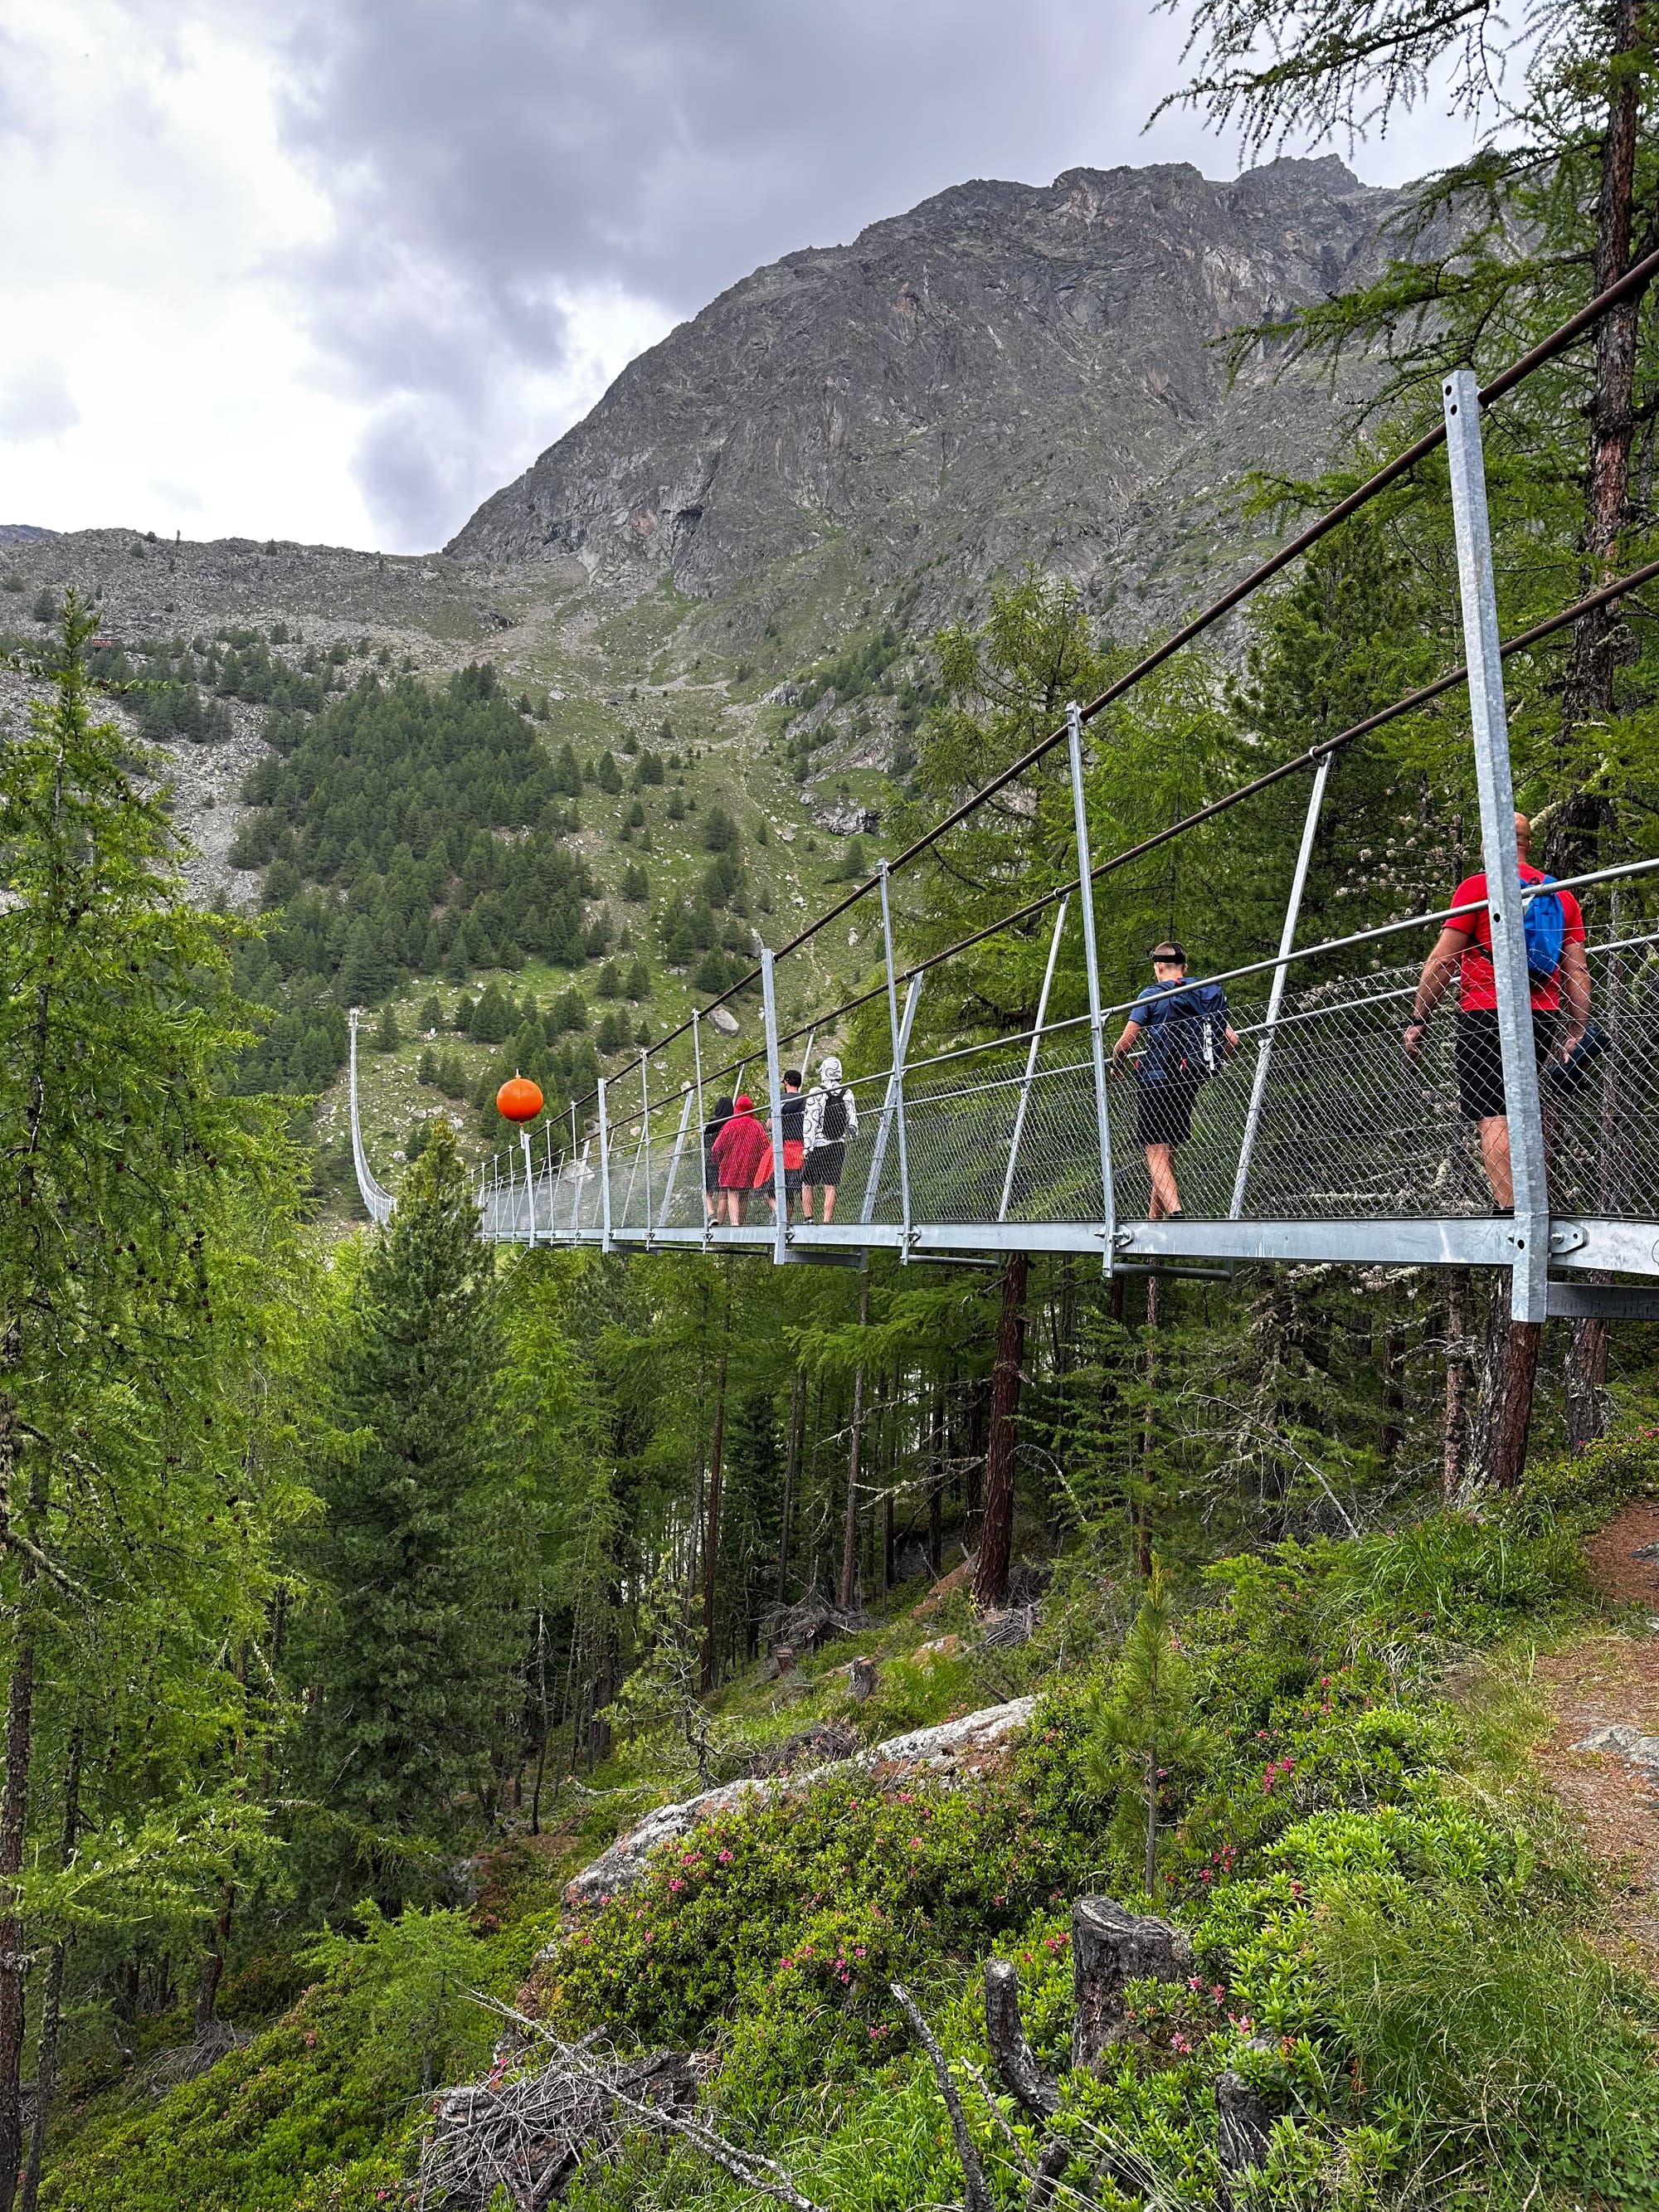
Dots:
(529, 1183)
(702, 1124)
(775, 1078)
(899, 1043)
(674, 1159)
(1091, 966)
(879, 1150)
(1276, 993)
(1032, 1061)
(644, 1116)
(1529, 1290)
(604, 1172)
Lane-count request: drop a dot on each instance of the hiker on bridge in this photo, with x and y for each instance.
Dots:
(792, 1121)
(1189, 1035)
(1560, 995)
(713, 1206)
(737, 1151)
(830, 1120)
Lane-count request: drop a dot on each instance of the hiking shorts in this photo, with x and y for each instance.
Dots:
(1163, 1111)
(1480, 1059)
(824, 1165)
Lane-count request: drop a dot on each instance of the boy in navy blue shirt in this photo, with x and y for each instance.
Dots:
(1187, 1036)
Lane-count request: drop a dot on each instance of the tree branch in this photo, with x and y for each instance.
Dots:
(976, 2197)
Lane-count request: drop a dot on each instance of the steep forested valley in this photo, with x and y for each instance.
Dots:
(492, 1725)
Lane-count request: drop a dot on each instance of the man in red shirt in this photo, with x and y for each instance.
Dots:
(1560, 1010)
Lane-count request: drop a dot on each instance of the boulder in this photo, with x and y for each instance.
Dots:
(953, 1748)
(1623, 1741)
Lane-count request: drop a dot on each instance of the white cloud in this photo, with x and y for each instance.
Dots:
(36, 402)
(159, 199)
(341, 275)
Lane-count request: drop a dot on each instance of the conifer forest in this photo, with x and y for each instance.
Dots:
(494, 1725)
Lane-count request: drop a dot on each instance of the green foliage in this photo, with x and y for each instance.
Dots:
(406, 2003)
(491, 1020)
(407, 1652)
(1143, 1730)
(393, 793)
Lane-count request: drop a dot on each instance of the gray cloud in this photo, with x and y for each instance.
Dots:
(36, 402)
(488, 163)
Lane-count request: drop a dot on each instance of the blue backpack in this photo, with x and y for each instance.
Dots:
(1545, 921)
(1186, 1033)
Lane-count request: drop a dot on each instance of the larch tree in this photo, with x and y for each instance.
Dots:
(135, 1193)
(1558, 201)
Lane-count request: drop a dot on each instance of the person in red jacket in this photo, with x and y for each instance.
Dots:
(737, 1151)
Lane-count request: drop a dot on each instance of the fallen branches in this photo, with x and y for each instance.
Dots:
(582, 2095)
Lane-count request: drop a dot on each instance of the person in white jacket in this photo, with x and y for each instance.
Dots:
(831, 1119)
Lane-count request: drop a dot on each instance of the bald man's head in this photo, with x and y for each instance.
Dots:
(1522, 833)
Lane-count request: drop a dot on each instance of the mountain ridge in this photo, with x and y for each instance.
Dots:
(1004, 372)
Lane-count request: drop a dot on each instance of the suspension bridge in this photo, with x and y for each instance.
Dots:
(1321, 1140)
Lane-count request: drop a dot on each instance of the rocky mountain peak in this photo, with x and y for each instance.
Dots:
(1005, 373)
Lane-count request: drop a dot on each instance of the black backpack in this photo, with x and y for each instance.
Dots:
(835, 1117)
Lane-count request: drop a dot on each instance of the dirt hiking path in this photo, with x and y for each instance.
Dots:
(1607, 1680)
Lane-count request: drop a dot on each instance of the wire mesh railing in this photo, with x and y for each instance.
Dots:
(1350, 1126)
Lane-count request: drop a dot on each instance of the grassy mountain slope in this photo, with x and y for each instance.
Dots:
(1396, 1936)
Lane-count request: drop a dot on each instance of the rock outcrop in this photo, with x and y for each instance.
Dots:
(1008, 372)
(954, 1748)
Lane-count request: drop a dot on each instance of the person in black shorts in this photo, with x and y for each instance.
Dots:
(1188, 1034)
(829, 1118)
(792, 1124)
(1558, 991)
(711, 1174)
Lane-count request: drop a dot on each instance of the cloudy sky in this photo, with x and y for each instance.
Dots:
(335, 271)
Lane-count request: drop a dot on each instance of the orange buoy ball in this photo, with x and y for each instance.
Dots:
(519, 1099)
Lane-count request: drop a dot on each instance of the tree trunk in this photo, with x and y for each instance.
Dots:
(52, 2007)
(711, 1528)
(850, 1527)
(935, 1488)
(1005, 2032)
(997, 1531)
(1457, 1381)
(1598, 637)
(1392, 1433)
(1148, 1431)
(13, 1825)
(791, 1474)
(1512, 1413)
(213, 1966)
(1509, 1366)
(1587, 1375)
(820, 1504)
(14, 1817)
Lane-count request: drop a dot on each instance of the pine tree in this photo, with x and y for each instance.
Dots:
(407, 1658)
(1143, 1728)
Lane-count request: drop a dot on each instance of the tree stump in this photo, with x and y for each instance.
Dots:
(862, 1679)
(1004, 2031)
(1243, 2125)
(1109, 1947)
